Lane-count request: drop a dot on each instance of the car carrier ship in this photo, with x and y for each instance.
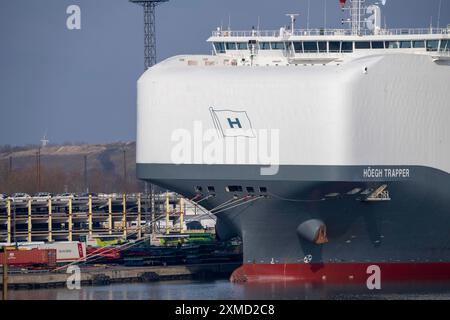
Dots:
(325, 151)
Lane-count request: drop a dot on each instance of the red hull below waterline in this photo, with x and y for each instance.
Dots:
(342, 273)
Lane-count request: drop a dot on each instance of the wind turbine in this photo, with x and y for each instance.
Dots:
(44, 140)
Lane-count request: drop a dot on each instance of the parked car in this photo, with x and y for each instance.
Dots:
(116, 196)
(85, 196)
(42, 196)
(3, 196)
(64, 197)
(20, 197)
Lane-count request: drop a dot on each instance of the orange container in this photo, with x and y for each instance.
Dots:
(30, 258)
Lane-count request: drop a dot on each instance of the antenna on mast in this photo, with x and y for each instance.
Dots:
(307, 18)
(293, 17)
(439, 14)
(356, 14)
(358, 10)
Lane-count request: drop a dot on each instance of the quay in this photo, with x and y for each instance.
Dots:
(103, 275)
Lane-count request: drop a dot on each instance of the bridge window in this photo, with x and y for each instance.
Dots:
(264, 45)
(432, 45)
(362, 45)
(310, 46)
(322, 46)
(242, 46)
(277, 45)
(391, 45)
(405, 44)
(288, 46)
(298, 46)
(335, 46)
(220, 47)
(377, 45)
(445, 45)
(230, 45)
(419, 44)
(347, 46)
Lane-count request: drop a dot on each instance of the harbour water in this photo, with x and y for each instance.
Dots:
(224, 290)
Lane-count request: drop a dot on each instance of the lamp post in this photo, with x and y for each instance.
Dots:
(14, 225)
(124, 170)
(149, 29)
(5, 273)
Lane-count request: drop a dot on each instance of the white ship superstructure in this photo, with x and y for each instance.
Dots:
(290, 46)
(286, 47)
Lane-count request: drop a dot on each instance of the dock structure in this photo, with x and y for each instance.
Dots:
(71, 219)
(114, 274)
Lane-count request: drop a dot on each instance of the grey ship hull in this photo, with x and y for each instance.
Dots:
(408, 236)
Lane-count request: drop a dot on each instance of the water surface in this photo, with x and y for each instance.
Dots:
(224, 290)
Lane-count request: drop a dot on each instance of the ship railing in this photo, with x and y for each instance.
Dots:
(327, 32)
(444, 53)
(315, 55)
(423, 31)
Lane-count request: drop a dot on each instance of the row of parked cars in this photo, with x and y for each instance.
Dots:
(44, 196)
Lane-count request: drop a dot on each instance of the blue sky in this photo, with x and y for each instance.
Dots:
(80, 86)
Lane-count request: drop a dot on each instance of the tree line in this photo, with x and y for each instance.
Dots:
(56, 177)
